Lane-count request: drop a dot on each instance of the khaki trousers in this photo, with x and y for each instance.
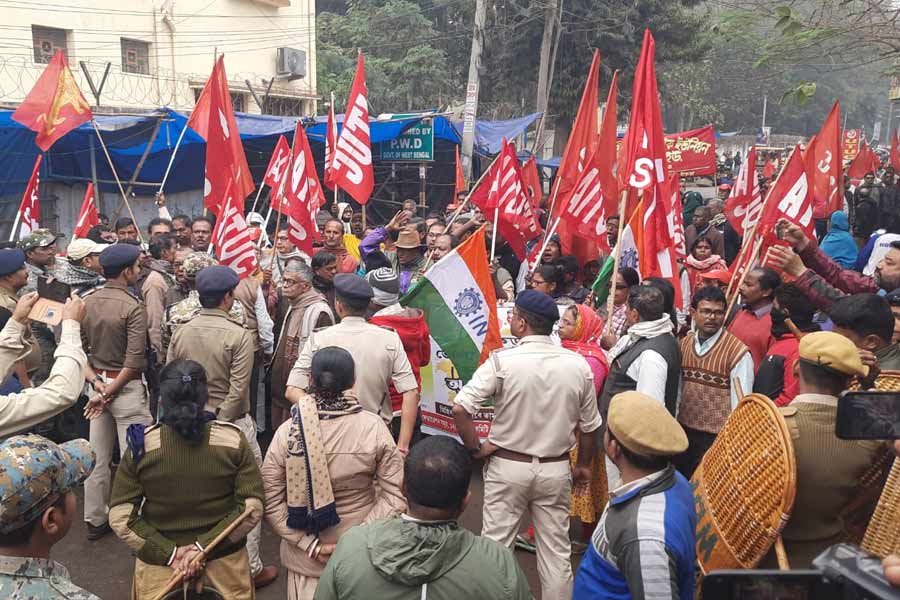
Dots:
(130, 407)
(248, 428)
(229, 575)
(301, 587)
(544, 489)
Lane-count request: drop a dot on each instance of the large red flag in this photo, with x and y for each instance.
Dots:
(895, 152)
(532, 180)
(744, 203)
(29, 214)
(826, 168)
(55, 105)
(213, 119)
(300, 194)
(88, 215)
(352, 164)
(331, 135)
(645, 169)
(607, 148)
(789, 198)
(460, 186)
(860, 165)
(584, 210)
(278, 166)
(231, 236)
(874, 160)
(675, 219)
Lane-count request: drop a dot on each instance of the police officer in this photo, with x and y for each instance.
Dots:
(225, 350)
(115, 337)
(40, 261)
(377, 352)
(37, 508)
(14, 277)
(542, 394)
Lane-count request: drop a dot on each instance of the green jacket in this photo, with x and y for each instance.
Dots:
(394, 559)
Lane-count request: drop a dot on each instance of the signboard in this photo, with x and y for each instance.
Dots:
(692, 152)
(416, 144)
(441, 383)
(850, 143)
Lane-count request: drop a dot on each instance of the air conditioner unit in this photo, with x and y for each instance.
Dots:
(291, 63)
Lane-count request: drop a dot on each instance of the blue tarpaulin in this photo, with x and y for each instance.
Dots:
(489, 134)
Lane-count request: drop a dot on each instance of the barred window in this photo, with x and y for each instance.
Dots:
(135, 56)
(47, 40)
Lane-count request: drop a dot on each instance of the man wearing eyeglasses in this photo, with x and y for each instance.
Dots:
(711, 360)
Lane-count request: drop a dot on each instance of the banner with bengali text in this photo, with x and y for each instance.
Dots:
(692, 152)
(850, 143)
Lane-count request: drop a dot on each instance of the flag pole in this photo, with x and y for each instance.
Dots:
(265, 226)
(116, 175)
(757, 245)
(610, 301)
(12, 233)
(547, 236)
(172, 158)
(258, 194)
(494, 232)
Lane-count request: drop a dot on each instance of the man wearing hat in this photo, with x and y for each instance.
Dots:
(115, 335)
(14, 277)
(225, 350)
(40, 260)
(81, 267)
(185, 310)
(37, 508)
(407, 259)
(828, 468)
(542, 395)
(377, 352)
(643, 546)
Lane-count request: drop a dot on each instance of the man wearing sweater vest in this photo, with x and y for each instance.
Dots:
(753, 324)
(711, 360)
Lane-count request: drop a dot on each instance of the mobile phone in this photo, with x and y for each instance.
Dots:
(868, 416)
(766, 585)
(53, 289)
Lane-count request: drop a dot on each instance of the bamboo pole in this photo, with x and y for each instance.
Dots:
(756, 248)
(623, 198)
(118, 181)
(172, 158)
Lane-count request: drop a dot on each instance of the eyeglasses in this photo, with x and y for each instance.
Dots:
(710, 313)
(289, 282)
(621, 287)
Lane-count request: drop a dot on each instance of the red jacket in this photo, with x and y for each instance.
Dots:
(413, 332)
(775, 377)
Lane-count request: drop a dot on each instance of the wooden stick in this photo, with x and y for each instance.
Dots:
(754, 256)
(165, 178)
(781, 554)
(258, 194)
(610, 301)
(494, 234)
(793, 328)
(177, 576)
(118, 182)
(736, 383)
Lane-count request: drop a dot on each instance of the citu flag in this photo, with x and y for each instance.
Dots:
(331, 135)
(825, 168)
(29, 215)
(278, 166)
(895, 152)
(789, 198)
(231, 236)
(460, 186)
(744, 204)
(55, 105)
(300, 194)
(646, 171)
(88, 215)
(352, 162)
(532, 180)
(582, 144)
(213, 119)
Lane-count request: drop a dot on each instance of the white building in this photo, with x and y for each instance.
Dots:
(161, 53)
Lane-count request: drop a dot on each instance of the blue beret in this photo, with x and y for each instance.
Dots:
(538, 303)
(352, 287)
(217, 279)
(11, 260)
(119, 256)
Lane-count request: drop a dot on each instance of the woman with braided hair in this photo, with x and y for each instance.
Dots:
(320, 471)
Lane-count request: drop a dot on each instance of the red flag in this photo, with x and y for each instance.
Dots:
(895, 152)
(231, 236)
(860, 165)
(55, 105)
(675, 219)
(824, 166)
(213, 119)
(331, 135)
(769, 168)
(461, 185)
(607, 149)
(278, 165)
(517, 222)
(645, 169)
(744, 203)
(874, 160)
(789, 198)
(532, 180)
(87, 216)
(300, 194)
(583, 209)
(353, 171)
(29, 215)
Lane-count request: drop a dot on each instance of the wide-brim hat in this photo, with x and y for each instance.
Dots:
(408, 238)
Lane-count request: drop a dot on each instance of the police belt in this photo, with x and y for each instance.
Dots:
(519, 457)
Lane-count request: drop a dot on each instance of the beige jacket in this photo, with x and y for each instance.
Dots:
(360, 451)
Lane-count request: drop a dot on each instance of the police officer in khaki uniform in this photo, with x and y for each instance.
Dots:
(828, 468)
(14, 277)
(225, 349)
(543, 395)
(115, 338)
(377, 352)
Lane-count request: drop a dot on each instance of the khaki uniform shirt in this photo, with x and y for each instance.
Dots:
(115, 329)
(154, 292)
(184, 311)
(61, 389)
(542, 393)
(225, 349)
(28, 578)
(32, 357)
(378, 356)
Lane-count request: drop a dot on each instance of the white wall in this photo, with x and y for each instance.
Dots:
(247, 31)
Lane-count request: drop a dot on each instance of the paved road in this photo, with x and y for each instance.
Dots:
(105, 567)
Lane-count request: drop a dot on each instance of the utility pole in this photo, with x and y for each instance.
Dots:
(471, 107)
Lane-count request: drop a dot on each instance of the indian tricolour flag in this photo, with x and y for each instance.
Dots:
(460, 306)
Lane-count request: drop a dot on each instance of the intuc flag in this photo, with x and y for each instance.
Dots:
(352, 161)
(461, 185)
(300, 194)
(213, 119)
(88, 215)
(29, 214)
(825, 167)
(55, 105)
(331, 135)
(895, 153)
(744, 203)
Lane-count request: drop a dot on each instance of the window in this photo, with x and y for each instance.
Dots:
(135, 56)
(47, 40)
(238, 100)
(283, 107)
